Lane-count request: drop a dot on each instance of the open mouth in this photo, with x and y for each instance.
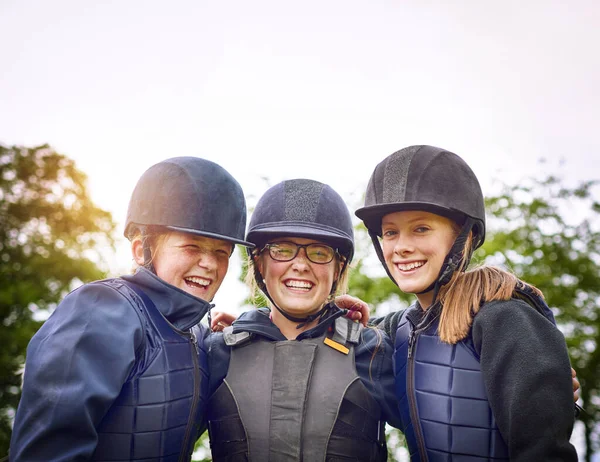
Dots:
(197, 282)
(302, 286)
(410, 266)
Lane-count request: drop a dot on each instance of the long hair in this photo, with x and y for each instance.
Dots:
(467, 291)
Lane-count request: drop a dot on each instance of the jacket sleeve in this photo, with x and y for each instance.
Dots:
(388, 323)
(374, 366)
(527, 375)
(218, 360)
(76, 365)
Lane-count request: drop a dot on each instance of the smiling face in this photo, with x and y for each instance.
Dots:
(415, 244)
(194, 264)
(299, 286)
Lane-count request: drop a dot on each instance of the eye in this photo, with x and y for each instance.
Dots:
(389, 233)
(422, 229)
(284, 251)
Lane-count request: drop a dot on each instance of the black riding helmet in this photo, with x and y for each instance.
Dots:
(190, 195)
(430, 179)
(301, 208)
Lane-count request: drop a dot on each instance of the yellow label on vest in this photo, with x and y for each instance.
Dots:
(336, 346)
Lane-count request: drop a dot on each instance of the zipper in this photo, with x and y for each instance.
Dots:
(186, 440)
(412, 399)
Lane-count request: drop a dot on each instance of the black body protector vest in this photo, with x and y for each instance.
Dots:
(295, 401)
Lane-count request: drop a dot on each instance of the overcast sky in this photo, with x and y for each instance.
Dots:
(317, 89)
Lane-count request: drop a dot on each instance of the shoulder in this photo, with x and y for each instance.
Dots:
(513, 312)
(373, 342)
(95, 309)
(504, 325)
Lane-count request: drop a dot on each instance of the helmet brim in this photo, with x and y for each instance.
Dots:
(317, 232)
(211, 235)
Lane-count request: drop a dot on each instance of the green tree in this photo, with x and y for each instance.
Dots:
(549, 235)
(49, 230)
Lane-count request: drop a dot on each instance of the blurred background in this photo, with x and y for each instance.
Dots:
(91, 95)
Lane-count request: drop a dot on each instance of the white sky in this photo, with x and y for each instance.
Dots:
(315, 89)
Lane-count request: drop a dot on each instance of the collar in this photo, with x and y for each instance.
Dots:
(258, 322)
(177, 306)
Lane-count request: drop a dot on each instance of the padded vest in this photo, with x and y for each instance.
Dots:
(444, 407)
(156, 416)
(295, 401)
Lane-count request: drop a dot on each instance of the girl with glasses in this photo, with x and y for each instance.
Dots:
(300, 381)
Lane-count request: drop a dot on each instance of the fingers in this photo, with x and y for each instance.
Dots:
(220, 320)
(358, 310)
(576, 385)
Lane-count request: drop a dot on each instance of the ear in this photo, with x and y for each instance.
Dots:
(137, 251)
(258, 263)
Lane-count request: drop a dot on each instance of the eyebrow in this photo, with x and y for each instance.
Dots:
(422, 218)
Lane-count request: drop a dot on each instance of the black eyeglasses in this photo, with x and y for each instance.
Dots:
(287, 251)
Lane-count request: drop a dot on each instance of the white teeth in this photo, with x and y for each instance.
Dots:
(199, 281)
(409, 266)
(299, 284)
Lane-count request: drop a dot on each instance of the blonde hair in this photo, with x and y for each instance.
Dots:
(467, 291)
(152, 238)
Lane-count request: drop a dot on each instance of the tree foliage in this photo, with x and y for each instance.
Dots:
(548, 234)
(49, 229)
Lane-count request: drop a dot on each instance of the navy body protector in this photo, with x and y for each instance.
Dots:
(441, 394)
(156, 415)
(290, 401)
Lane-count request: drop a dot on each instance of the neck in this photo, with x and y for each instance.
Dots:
(289, 328)
(425, 300)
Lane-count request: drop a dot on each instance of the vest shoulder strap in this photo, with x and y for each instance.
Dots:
(232, 339)
(346, 331)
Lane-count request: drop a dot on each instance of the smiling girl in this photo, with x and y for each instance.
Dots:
(482, 372)
(116, 372)
(300, 381)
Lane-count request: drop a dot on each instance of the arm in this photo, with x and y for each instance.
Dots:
(527, 375)
(376, 372)
(76, 365)
(388, 323)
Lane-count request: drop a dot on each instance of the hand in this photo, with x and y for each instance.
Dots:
(576, 385)
(357, 309)
(220, 320)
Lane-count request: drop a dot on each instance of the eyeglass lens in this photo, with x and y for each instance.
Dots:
(286, 251)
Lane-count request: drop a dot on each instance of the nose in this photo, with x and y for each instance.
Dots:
(403, 246)
(300, 261)
(207, 260)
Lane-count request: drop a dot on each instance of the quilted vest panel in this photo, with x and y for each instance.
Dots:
(156, 415)
(294, 401)
(441, 385)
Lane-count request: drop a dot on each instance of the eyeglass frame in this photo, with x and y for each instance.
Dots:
(267, 246)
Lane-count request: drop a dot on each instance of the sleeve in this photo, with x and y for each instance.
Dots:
(527, 376)
(374, 366)
(218, 360)
(388, 323)
(76, 365)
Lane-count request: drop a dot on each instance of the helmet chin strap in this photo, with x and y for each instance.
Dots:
(303, 321)
(453, 260)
